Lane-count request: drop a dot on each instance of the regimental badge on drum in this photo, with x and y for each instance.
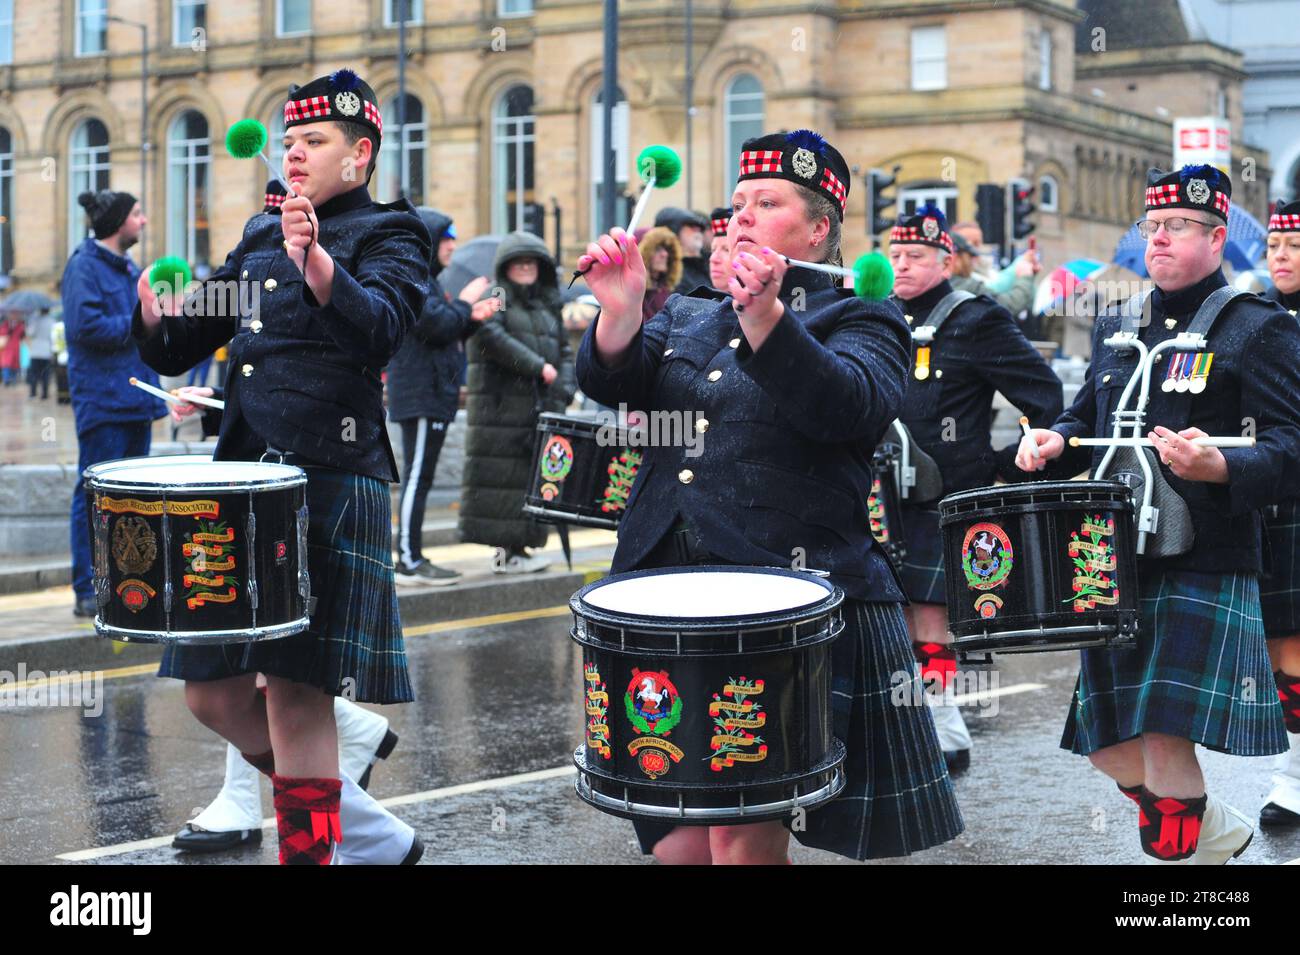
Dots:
(930, 227)
(986, 556)
(597, 711)
(135, 594)
(557, 459)
(1092, 551)
(735, 716)
(988, 605)
(653, 706)
(349, 104)
(1198, 191)
(804, 163)
(135, 546)
(622, 475)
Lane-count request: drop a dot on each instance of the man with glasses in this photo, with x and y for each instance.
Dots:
(1200, 671)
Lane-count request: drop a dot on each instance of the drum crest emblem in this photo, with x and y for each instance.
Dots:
(986, 556)
(652, 703)
(735, 717)
(135, 594)
(135, 546)
(1092, 552)
(597, 704)
(557, 459)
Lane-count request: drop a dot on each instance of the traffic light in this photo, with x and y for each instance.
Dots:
(878, 203)
(1021, 196)
(991, 212)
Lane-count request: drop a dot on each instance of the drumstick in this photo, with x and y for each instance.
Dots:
(1206, 442)
(177, 399)
(1024, 426)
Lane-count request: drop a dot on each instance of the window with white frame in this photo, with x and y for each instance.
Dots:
(188, 16)
(401, 163)
(1045, 60)
(6, 32)
(92, 27)
(912, 198)
(392, 10)
(292, 17)
(1048, 197)
(189, 174)
(6, 201)
(275, 138)
(514, 8)
(929, 58)
(512, 158)
(619, 139)
(87, 172)
(742, 109)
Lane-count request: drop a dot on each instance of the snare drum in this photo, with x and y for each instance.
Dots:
(189, 550)
(884, 504)
(1048, 565)
(577, 479)
(707, 693)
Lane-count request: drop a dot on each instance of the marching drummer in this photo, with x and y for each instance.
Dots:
(791, 381)
(966, 348)
(1200, 672)
(341, 278)
(1279, 591)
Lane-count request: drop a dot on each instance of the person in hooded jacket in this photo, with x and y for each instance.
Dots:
(423, 393)
(689, 227)
(520, 365)
(662, 254)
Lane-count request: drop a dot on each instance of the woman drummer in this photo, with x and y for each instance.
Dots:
(794, 380)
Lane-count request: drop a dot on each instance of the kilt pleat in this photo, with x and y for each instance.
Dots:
(921, 570)
(354, 645)
(1200, 671)
(1279, 590)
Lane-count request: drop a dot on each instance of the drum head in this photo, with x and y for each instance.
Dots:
(698, 593)
(191, 472)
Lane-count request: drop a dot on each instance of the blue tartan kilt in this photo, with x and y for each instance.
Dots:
(898, 798)
(922, 569)
(354, 645)
(1200, 671)
(1279, 589)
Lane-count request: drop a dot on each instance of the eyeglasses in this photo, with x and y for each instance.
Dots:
(1174, 226)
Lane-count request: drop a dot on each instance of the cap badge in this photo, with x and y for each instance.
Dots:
(349, 104)
(804, 163)
(1198, 191)
(930, 228)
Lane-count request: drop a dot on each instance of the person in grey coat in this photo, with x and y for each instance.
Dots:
(520, 365)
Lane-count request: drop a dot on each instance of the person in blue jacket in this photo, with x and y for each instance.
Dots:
(113, 417)
(792, 381)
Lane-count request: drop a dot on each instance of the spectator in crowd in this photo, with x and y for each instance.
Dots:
(520, 365)
(41, 348)
(662, 255)
(1012, 288)
(689, 227)
(12, 329)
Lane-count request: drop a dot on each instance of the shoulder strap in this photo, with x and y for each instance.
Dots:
(1212, 307)
(939, 314)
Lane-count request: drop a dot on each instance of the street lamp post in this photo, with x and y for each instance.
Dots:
(144, 111)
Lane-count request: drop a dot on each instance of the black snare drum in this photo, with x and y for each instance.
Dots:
(1049, 565)
(884, 504)
(707, 693)
(577, 479)
(194, 551)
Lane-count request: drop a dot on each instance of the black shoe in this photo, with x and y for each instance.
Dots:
(190, 839)
(425, 573)
(417, 850)
(85, 607)
(1274, 816)
(958, 760)
(386, 747)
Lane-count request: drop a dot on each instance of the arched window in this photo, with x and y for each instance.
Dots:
(620, 143)
(742, 105)
(6, 201)
(512, 158)
(401, 163)
(88, 172)
(189, 172)
(1048, 198)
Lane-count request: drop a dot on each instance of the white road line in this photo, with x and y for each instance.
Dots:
(429, 795)
(965, 698)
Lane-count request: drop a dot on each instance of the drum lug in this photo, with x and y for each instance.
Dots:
(251, 544)
(103, 586)
(168, 590)
(304, 579)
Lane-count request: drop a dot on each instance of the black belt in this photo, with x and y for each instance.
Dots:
(680, 546)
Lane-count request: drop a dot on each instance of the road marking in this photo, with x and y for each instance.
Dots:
(1000, 691)
(429, 795)
(79, 677)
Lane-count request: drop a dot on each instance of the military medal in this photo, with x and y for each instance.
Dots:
(1171, 376)
(1184, 382)
(922, 363)
(1200, 372)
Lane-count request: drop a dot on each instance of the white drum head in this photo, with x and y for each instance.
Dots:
(192, 471)
(706, 593)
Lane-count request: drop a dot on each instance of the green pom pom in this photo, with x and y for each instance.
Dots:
(873, 276)
(663, 162)
(246, 139)
(171, 271)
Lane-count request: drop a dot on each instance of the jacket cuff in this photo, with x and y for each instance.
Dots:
(1245, 491)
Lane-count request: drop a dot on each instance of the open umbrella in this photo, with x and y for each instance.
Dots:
(470, 260)
(1246, 245)
(28, 300)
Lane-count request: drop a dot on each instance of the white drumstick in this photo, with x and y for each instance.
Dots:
(1024, 426)
(177, 399)
(1208, 441)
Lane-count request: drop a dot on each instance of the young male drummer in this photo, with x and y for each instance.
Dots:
(978, 349)
(341, 278)
(1200, 672)
(1279, 591)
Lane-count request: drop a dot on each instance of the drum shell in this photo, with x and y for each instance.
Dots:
(1041, 522)
(891, 535)
(580, 496)
(176, 611)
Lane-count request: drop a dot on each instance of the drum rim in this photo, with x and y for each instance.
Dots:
(202, 637)
(1038, 487)
(833, 600)
(103, 482)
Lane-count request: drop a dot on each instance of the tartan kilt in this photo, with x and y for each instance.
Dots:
(921, 570)
(1199, 671)
(1279, 589)
(898, 798)
(354, 645)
